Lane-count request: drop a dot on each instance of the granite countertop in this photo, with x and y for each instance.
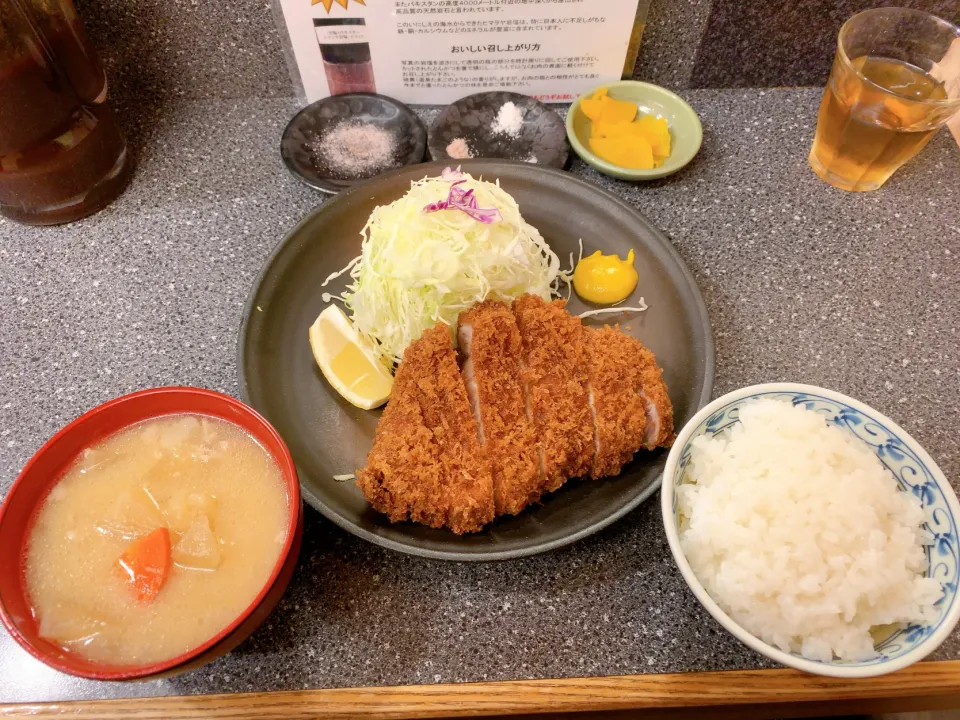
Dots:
(855, 292)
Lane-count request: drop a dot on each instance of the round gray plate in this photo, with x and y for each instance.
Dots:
(543, 135)
(327, 436)
(298, 143)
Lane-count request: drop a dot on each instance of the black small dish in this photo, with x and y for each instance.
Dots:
(543, 136)
(300, 153)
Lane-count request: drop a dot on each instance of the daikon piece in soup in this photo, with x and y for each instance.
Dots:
(156, 539)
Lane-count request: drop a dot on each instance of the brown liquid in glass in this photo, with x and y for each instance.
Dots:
(872, 120)
(62, 156)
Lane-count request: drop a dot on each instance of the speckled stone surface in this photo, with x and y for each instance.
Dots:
(672, 35)
(855, 292)
(187, 48)
(769, 44)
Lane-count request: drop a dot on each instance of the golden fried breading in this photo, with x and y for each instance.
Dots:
(555, 379)
(616, 374)
(426, 464)
(491, 351)
(657, 403)
(541, 399)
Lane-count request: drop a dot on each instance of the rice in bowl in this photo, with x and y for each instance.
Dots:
(802, 536)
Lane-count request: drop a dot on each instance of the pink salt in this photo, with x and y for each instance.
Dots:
(458, 149)
(357, 148)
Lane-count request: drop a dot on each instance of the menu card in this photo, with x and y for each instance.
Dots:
(436, 51)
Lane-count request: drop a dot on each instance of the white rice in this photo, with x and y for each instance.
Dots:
(800, 534)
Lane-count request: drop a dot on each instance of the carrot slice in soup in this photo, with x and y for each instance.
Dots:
(146, 564)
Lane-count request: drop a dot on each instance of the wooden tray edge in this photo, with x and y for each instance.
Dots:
(768, 692)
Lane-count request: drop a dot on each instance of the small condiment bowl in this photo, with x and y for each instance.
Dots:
(541, 139)
(686, 133)
(299, 144)
(46, 467)
(915, 471)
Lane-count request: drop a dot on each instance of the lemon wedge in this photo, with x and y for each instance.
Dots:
(348, 362)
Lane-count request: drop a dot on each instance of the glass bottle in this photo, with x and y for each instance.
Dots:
(62, 156)
(346, 55)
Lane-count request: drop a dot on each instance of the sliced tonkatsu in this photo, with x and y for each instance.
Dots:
(659, 409)
(426, 464)
(536, 399)
(619, 415)
(555, 380)
(491, 354)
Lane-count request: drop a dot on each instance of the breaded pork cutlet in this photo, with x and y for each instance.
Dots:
(491, 351)
(426, 464)
(555, 380)
(656, 401)
(616, 374)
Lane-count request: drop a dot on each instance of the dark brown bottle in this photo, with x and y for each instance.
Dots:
(347, 65)
(62, 156)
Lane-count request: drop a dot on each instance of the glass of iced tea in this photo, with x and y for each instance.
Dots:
(891, 88)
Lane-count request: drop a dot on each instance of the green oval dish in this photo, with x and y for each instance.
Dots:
(686, 133)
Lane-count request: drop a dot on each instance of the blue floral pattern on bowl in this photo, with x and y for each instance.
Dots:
(913, 475)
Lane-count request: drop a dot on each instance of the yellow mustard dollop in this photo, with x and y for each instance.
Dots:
(605, 279)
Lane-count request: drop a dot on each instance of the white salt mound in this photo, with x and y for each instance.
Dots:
(509, 120)
(800, 534)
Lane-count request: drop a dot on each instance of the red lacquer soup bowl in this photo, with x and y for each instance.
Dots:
(48, 465)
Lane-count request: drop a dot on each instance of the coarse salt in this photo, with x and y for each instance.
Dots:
(356, 148)
(459, 149)
(509, 120)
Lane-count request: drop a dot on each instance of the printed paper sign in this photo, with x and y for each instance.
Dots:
(436, 51)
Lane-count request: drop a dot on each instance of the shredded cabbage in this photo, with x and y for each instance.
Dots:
(418, 268)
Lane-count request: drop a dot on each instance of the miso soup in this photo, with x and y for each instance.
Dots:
(155, 540)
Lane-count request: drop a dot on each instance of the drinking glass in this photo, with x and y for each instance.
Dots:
(891, 88)
(62, 156)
